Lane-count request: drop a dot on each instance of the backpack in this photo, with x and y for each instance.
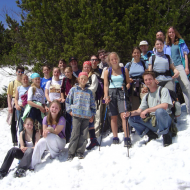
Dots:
(33, 137)
(173, 97)
(129, 106)
(167, 73)
(100, 90)
(143, 63)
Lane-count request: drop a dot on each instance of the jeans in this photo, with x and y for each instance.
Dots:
(163, 123)
(19, 114)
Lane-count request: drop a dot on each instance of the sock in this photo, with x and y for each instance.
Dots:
(92, 133)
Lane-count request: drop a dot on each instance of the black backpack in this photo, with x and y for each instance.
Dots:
(33, 137)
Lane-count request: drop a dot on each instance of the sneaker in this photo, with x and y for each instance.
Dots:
(115, 140)
(80, 155)
(127, 142)
(20, 173)
(93, 143)
(70, 157)
(167, 139)
(2, 175)
(151, 135)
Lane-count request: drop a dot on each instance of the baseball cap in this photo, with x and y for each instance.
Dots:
(72, 58)
(143, 43)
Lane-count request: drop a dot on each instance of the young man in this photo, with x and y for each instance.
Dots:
(74, 64)
(46, 78)
(101, 56)
(62, 65)
(10, 99)
(145, 53)
(152, 118)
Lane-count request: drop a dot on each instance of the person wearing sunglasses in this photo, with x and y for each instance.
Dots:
(94, 63)
(11, 102)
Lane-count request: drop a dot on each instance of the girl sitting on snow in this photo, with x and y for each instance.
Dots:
(28, 139)
(53, 134)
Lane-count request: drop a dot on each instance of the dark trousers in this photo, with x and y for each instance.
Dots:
(35, 114)
(13, 127)
(25, 159)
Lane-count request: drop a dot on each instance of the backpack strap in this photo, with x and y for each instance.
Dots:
(130, 63)
(153, 60)
(90, 80)
(23, 137)
(168, 57)
(160, 90)
(109, 74)
(123, 72)
(34, 137)
(143, 63)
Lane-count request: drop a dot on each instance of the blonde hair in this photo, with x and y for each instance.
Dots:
(110, 55)
(177, 37)
(57, 68)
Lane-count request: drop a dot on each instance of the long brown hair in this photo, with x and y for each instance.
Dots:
(73, 79)
(49, 117)
(177, 37)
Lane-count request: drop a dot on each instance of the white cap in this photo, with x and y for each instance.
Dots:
(143, 43)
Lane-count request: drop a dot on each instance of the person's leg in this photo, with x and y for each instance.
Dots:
(11, 154)
(26, 159)
(114, 126)
(20, 121)
(13, 128)
(55, 144)
(185, 86)
(75, 135)
(83, 136)
(170, 85)
(39, 149)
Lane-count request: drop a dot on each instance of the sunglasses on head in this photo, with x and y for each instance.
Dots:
(21, 72)
(94, 59)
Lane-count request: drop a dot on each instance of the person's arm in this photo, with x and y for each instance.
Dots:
(47, 95)
(186, 64)
(149, 67)
(16, 100)
(93, 87)
(106, 87)
(9, 97)
(176, 72)
(133, 113)
(127, 78)
(41, 108)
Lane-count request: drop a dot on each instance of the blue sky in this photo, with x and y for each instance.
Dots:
(9, 7)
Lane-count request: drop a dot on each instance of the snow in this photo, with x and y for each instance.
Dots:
(150, 167)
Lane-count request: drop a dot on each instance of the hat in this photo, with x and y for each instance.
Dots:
(83, 73)
(72, 58)
(143, 43)
(34, 75)
(87, 63)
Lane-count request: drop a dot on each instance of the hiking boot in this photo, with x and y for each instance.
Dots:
(2, 175)
(20, 173)
(115, 140)
(127, 142)
(70, 157)
(93, 143)
(167, 139)
(151, 135)
(15, 144)
(80, 155)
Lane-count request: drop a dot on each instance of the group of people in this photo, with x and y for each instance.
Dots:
(140, 93)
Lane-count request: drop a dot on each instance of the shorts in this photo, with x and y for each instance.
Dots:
(117, 104)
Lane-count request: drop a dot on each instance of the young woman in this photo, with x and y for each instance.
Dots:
(35, 108)
(136, 68)
(53, 134)
(162, 65)
(21, 90)
(28, 139)
(93, 85)
(114, 95)
(177, 49)
(53, 87)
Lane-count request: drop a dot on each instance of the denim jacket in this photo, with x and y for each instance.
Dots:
(81, 102)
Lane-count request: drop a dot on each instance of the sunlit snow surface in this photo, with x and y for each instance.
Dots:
(149, 167)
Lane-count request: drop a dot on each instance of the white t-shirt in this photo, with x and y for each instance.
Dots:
(39, 95)
(54, 88)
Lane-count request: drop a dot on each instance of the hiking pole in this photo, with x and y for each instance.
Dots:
(127, 123)
(103, 125)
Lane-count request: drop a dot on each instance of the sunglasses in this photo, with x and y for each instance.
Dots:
(94, 59)
(21, 72)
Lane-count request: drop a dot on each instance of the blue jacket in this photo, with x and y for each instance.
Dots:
(81, 102)
(182, 49)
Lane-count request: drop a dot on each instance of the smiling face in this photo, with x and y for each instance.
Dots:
(56, 72)
(19, 73)
(113, 59)
(28, 125)
(136, 54)
(36, 81)
(94, 62)
(171, 33)
(24, 80)
(160, 35)
(159, 45)
(62, 65)
(144, 48)
(54, 109)
(83, 80)
(68, 73)
(73, 63)
(46, 71)
(149, 81)
(87, 68)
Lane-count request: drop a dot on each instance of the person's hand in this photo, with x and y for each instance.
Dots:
(144, 90)
(50, 129)
(107, 99)
(187, 70)
(42, 109)
(10, 109)
(71, 113)
(157, 82)
(91, 119)
(130, 80)
(176, 74)
(45, 133)
(18, 107)
(127, 114)
(23, 149)
(46, 108)
(143, 114)
(62, 100)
